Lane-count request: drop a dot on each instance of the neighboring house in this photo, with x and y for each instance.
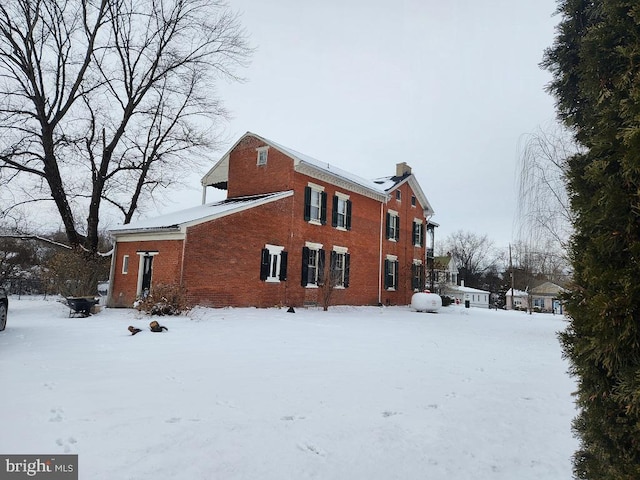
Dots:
(475, 297)
(546, 297)
(445, 273)
(516, 300)
(288, 220)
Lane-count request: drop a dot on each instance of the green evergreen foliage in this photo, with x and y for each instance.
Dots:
(595, 62)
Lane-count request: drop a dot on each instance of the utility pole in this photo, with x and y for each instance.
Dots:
(511, 273)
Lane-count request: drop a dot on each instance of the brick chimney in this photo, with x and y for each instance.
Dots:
(402, 169)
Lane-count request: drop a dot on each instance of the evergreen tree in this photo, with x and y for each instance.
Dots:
(595, 62)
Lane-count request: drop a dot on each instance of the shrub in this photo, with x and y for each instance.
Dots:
(446, 301)
(169, 299)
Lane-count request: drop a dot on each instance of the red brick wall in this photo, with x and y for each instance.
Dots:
(165, 268)
(246, 177)
(404, 248)
(222, 257)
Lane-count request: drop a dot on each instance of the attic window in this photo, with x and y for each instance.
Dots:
(413, 200)
(262, 156)
(398, 195)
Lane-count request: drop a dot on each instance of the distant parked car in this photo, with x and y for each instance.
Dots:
(4, 306)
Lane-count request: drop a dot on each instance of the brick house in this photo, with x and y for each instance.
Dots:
(288, 224)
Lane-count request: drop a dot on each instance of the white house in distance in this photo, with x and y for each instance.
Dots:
(475, 297)
(544, 298)
(516, 299)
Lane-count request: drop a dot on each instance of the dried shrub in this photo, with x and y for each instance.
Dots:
(164, 299)
(75, 273)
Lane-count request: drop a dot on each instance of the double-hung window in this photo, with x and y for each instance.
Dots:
(418, 232)
(262, 156)
(273, 264)
(391, 272)
(312, 265)
(393, 225)
(341, 212)
(315, 204)
(417, 275)
(340, 261)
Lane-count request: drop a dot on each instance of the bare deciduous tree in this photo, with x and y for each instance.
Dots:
(105, 102)
(472, 253)
(544, 215)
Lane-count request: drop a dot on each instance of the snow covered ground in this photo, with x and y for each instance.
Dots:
(353, 393)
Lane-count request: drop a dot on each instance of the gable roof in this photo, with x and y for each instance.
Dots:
(547, 289)
(219, 175)
(391, 183)
(180, 220)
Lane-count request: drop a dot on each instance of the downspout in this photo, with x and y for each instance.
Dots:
(112, 271)
(204, 194)
(380, 257)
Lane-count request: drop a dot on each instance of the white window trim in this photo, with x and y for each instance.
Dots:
(392, 258)
(266, 157)
(419, 222)
(342, 196)
(316, 247)
(274, 250)
(141, 268)
(125, 264)
(395, 214)
(317, 188)
(338, 249)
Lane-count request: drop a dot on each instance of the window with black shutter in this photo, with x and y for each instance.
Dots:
(273, 264)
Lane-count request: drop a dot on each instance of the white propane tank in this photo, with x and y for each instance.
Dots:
(426, 302)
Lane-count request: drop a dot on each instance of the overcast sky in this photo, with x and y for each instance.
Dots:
(449, 87)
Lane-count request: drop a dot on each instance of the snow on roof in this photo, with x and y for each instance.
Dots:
(327, 167)
(517, 293)
(201, 213)
(461, 289)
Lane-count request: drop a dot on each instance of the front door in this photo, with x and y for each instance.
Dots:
(147, 269)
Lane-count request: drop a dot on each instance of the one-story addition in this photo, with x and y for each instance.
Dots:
(288, 222)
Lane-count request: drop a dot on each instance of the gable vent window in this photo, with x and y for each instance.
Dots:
(262, 156)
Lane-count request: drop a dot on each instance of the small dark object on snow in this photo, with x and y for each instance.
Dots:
(291, 310)
(156, 327)
(134, 330)
(80, 306)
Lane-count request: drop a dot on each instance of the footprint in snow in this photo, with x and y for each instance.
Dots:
(57, 415)
(389, 413)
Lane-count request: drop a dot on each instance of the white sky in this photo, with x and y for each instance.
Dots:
(449, 87)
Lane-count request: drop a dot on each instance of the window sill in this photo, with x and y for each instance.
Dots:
(390, 289)
(342, 229)
(315, 222)
(272, 280)
(311, 286)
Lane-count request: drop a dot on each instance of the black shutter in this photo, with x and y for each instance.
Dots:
(320, 267)
(414, 274)
(307, 204)
(394, 265)
(264, 264)
(388, 225)
(305, 266)
(347, 261)
(415, 234)
(283, 266)
(334, 212)
(323, 208)
(387, 277)
(348, 220)
(422, 277)
(397, 228)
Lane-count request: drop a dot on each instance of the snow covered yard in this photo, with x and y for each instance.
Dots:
(353, 393)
